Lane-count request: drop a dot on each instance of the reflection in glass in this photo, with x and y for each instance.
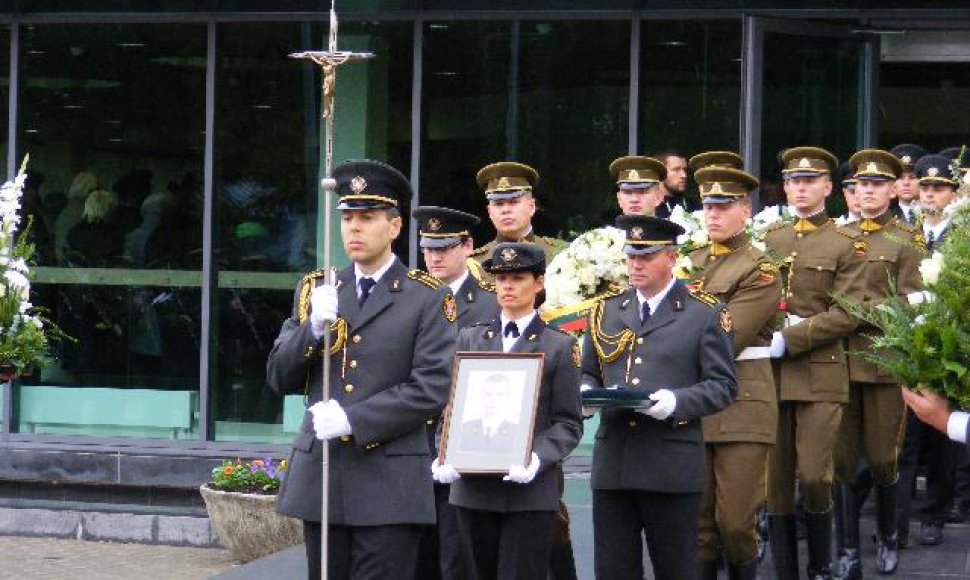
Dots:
(811, 97)
(115, 191)
(267, 220)
(690, 86)
(553, 95)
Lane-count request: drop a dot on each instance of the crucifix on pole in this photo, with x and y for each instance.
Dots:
(328, 61)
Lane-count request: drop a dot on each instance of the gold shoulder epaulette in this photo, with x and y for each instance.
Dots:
(704, 297)
(480, 250)
(613, 290)
(475, 267)
(486, 286)
(425, 278)
(307, 284)
(775, 225)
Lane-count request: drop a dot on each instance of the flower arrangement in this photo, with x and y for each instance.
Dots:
(261, 476)
(592, 264)
(927, 344)
(25, 335)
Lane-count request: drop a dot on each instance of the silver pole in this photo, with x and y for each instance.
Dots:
(328, 61)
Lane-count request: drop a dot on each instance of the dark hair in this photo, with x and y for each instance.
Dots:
(664, 154)
(393, 212)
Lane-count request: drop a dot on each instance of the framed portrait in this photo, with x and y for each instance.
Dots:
(491, 413)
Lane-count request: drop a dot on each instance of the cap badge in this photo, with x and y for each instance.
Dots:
(907, 159)
(434, 224)
(872, 167)
(932, 171)
(503, 182)
(508, 255)
(636, 233)
(805, 163)
(634, 174)
(358, 184)
(716, 188)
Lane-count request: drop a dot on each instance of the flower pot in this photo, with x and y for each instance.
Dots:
(247, 524)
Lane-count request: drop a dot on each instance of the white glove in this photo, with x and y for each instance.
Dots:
(794, 319)
(520, 474)
(777, 348)
(329, 420)
(323, 308)
(923, 297)
(588, 411)
(444, 474)
(919, 320)
(664, 403)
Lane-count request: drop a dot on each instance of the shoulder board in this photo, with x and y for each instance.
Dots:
(776, 225)
(847, 232)
(612, 291)
(486, 286)
(908, 228)
(699, 248)
(704, 297)
(425, 278)
(481, 250)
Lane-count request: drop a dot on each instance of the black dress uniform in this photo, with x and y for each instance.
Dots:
(390, 363)
(648, 474)
(441, 554)
(507, 528)
(908, 154)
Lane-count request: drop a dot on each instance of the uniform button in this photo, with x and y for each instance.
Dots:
(345, 438)
(430, 421)
(799, 234)
(747, 395)
(637, 361)
(882, 257)
(639, 341)
(356, 338)
(353, 364)
(349, 389)
(635, 381)
(793, 254)
(633, 423)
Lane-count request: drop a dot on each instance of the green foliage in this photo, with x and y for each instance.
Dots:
(257, 476)
(927, 346)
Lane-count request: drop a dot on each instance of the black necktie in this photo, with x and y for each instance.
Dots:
(366, 284)
(511, 330)
(645, 312)
(930, 241)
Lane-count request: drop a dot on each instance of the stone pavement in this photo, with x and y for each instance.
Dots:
(43, 558)
(57, 559)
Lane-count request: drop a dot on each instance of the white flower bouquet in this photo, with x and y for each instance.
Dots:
(592, 264)
(24, 332)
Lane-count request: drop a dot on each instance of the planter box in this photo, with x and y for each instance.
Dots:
(248, 525)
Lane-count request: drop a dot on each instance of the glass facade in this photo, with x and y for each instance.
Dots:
(175, 160)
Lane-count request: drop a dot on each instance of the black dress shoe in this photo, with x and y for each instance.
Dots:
(931, 534)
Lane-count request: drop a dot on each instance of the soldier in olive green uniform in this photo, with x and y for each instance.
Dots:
(875, 413)
(728, 159)
(738, 438)
(818, 260)
(638, 184)
(511, 205)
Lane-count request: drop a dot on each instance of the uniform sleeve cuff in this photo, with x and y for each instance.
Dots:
(956, 426)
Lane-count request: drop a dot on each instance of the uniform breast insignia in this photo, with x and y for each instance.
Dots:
(450, 308)
(726, 320)
(767, 272)
(704, 297)
(860, 249)
(577, 355)
(425, 278)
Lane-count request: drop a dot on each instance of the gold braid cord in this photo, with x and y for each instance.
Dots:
(602, 341)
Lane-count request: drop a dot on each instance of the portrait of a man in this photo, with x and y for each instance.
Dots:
(492, 430)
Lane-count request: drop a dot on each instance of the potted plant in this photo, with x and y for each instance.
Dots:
(241, 501)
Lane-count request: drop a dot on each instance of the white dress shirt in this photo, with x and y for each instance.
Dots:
(655, 300)
(376, 276)
(456, 285)
(521, 323)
